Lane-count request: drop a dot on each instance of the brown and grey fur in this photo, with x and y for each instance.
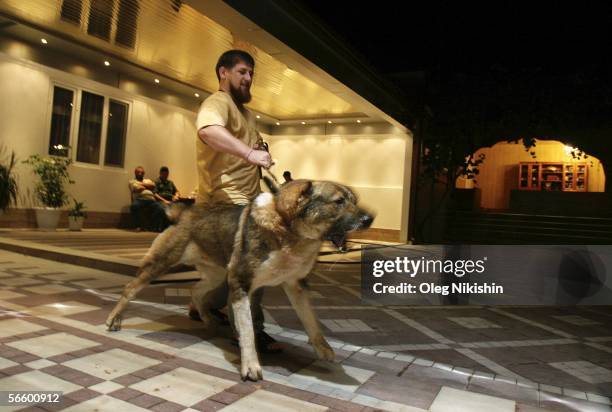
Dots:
(272, 241)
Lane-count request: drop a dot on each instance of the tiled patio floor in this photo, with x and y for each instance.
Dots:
(388, 357)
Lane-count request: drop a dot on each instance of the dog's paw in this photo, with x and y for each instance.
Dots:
(251, 370)
(323, 350)
(113, 324)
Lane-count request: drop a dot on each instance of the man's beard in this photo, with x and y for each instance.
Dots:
(240, 95)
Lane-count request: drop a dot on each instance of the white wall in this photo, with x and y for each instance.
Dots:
(375, 165)
(159, 134)
(374, 160)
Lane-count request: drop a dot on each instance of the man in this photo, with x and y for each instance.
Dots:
(165, 190)
(228, 157)
(143, 201)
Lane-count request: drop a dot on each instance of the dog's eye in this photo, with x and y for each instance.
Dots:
(339, 201)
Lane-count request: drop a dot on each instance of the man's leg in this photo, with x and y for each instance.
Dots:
(136, 212)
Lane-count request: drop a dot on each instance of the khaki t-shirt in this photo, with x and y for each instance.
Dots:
(225, 178)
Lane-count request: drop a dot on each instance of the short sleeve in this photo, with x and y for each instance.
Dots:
(213, 111)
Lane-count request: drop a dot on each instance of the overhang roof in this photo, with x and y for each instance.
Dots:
(182, 40)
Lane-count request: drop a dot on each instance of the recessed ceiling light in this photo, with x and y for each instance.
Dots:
(196, 94)
(43, 41)
(106, 63)
(358, 121)
(258, 116)
(157, 81)
(278, 123)
(329, 121)
(303, 122)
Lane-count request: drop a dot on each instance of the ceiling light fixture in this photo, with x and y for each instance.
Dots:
(303, 122)
(43, 41)
(157, 81)
(196, 94)
(329, 121)
(258, 116)
(358, 121)
(106, 63)
(278, 123)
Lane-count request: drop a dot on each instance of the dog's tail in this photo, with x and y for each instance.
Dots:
(174, 212)
(271, 185)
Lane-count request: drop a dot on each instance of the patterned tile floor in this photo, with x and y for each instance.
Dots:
(50, 331)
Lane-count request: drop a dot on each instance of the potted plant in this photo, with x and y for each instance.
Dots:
(52, 172)
(76, 216)
(8, 183)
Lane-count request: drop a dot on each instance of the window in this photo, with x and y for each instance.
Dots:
(61, 117)
(100, 18)
(71, 11)
(90, 128)
(115, 135)
(100, 137)
(127, 23)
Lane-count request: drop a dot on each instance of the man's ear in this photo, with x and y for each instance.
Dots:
(292, 198)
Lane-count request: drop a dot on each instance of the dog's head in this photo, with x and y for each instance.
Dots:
(320, 210)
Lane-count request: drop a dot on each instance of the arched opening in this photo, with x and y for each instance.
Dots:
(552, 161)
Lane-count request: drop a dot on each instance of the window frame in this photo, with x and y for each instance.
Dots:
(73, 138)
(73, 124)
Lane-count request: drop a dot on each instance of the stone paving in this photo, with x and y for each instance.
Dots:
(391, 358)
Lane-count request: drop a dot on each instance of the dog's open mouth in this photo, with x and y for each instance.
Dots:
(339, 240)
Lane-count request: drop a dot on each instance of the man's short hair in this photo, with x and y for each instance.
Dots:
(164, 169)
(231, 58)
(286, 173)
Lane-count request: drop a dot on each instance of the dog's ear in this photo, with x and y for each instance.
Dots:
(292, 198)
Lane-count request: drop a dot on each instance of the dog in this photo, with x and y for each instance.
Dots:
(274, 240)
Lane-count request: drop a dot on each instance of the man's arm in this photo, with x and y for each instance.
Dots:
(148, 184)
(219, 138)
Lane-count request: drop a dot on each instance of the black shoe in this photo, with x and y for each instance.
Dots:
(215, 313)
(264, 343)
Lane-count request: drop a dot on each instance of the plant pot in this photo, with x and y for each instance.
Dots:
(75, 223)
(47, 218)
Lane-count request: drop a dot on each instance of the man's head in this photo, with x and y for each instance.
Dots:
(163, 173)
(139, 173)
(235, 73)
(287, 176)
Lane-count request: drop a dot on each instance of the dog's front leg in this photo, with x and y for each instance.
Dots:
(298, 296)
(249, 361)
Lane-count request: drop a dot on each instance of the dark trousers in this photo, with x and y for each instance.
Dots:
(149, 215)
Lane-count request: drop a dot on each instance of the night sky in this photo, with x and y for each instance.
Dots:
(551, 36)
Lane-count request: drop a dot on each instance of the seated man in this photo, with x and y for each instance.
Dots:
(143, 200)
(165, 190)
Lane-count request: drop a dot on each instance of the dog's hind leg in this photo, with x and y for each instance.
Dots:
(298, 296)
(165, 251)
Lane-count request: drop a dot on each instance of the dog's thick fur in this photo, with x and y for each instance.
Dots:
(272, 241)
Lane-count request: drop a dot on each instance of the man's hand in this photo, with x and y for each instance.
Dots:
(260, 158)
